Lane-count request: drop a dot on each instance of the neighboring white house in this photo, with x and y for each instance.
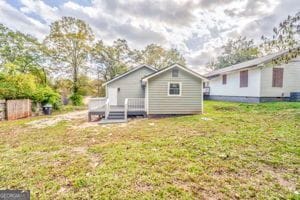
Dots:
(173, 90)
(257, 80)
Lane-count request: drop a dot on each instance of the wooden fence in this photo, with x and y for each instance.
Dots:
(2, 109)
(16, 109)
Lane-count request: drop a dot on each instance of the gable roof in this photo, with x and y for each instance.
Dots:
(248, 64)
(172, 66)
(129, 72)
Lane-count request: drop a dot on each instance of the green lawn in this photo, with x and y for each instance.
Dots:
(233, 151)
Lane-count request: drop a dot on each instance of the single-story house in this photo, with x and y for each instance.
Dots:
(257, 80)
(174, 90)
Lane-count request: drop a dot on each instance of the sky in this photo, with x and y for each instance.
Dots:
(197, 28)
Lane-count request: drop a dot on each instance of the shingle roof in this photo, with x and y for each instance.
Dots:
(248, 64)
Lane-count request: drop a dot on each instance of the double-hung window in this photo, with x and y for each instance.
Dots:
(174, 89)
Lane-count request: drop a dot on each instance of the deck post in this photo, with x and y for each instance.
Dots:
(125, 109)
(107, 107)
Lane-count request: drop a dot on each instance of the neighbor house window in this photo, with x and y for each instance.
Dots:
(175, 72)
(277, 77)
(244, 78)
(224, 79)
(174, 89)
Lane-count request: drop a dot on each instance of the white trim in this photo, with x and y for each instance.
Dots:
(147, 98)
(202, 99)
(179, 66)
(128, 72)
(180, 88)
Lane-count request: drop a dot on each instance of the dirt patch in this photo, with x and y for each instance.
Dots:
(225, 108)
(278, 175)
(52, 121)
(86, 125)
(79, 150)
(143, 187)
(95, 159)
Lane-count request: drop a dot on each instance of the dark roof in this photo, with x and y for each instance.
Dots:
(250, 63)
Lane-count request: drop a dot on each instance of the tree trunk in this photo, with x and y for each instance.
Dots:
(75, 69)
(75, 80)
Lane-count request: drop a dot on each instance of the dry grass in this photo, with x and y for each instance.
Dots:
(234, 151)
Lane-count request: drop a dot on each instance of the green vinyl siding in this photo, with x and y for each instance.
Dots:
(160, 102)
(131, 85)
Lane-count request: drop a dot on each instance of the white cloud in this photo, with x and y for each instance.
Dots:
(17, 20)
(196, 27)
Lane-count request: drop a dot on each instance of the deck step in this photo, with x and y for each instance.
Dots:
(116, 115)
(112, 121)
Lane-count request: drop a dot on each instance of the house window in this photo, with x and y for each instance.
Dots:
(224, 79)
(244, 78)
(277, 77)
(205, 84)
(175, 72)
(174, 89)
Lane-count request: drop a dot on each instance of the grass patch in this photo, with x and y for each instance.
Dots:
(233, 151)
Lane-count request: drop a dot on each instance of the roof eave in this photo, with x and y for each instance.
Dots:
(128, 72)
(170, 67)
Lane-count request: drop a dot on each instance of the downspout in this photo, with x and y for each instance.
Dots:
(260, 83)
(147, 97)
(202, 99)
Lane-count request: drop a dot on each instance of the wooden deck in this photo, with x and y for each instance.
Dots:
(118, 108)
(116, 113)
(130, 112)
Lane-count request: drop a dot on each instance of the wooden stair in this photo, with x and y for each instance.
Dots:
(114, 117)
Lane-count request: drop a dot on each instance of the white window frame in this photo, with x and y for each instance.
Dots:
(180, 89)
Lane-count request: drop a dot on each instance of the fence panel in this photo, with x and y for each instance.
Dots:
(2, 109)
(17, 109)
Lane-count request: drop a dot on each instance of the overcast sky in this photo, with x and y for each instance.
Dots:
(195, 28)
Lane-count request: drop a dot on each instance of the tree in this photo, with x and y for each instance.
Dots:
(111, 61)
(20, 53)
(236, 51)
(69, 43)
(159, 57)
(285, 36)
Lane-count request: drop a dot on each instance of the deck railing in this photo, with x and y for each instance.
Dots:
(206, 90)
(97, 104)
(107, 108)
(136, 104)
(133, 105)
(126, 109)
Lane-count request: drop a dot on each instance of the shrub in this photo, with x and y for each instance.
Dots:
(76, 99)
(20, 86)
(17, 86)
(46, 95)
